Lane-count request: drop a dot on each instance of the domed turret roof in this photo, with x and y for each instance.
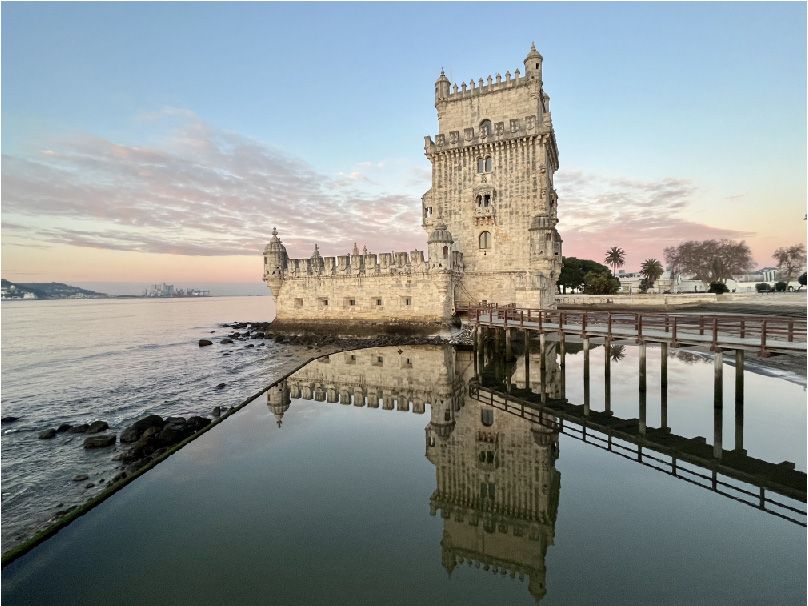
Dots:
(275, 244)
(533, 54)
(440, 233)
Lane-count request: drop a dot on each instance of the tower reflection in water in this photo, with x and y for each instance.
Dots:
(497, 487)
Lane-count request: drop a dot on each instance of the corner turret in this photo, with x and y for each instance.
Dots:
(442, 85)
(275, 258)
(439, 246)
(533, 63)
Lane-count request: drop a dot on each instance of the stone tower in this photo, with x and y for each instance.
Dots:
(493, 161)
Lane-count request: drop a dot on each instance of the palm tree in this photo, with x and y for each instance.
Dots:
(651, 269)
(615, 257)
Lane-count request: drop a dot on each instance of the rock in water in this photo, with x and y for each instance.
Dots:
(63, 427)
(81, 477)
(48, 434)
(99, 441)
(217, 411)
(205, 342)
(134, 431)
(79, 428)
(226, 341)
(97, 426)
(221, 386)
(9, 419)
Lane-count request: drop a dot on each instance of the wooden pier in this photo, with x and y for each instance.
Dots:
(716, 332)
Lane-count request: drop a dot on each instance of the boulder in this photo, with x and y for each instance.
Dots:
(134, 431)
(79, 428)
(48, 434)
(101, 441)
(81, 477)
(205, 342)
(9, 419)
(226, 341)
(221, 385)
(217, 411)
(172, 433)
(250, 345)
(198, 423)
(63, 427)
(97, 426)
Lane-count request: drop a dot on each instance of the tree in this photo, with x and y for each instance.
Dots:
(709, 260)
(718, 288)
(803, 279)
(573, 272)
(615, 257)
(651, 269)
(790, 260)
(600, 283)
(780, 286)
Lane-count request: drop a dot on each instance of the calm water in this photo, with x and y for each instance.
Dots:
(384, 477)
(114, 360)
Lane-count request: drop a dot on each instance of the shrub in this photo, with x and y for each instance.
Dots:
(762, 287)
(718, 288)
(781, 286)
(598, 283)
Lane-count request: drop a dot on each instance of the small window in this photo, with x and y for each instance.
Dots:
(350, 302)
(480, 165)
(479, 201)
(406, 363)
(265, 260)
(322, 302)
(445, 252)
(486, 200)
(350, 359)
(406, 301)
(489, 164)
(485, 240)
(377, 361)
(377, 301)
(487, 417)
(537, 66)
(298, 302)
(485, 128)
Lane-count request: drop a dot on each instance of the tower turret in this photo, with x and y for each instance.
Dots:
(442, 85)
(439, 246)
(275, 258)
(533, 64)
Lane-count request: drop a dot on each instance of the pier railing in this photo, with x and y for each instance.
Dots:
(766, 333)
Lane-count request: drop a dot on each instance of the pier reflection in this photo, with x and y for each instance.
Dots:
(495, 416)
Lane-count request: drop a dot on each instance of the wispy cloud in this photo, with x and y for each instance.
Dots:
(643, 217)
(197, 191)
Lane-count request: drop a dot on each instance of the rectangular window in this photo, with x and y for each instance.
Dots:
(350, 302)
(322, 302)
(377, 361)
(406, 362)
(406, 301)
(350, 359)
(298, 302)
(377, 301)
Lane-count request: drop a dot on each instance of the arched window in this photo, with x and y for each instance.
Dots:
(445, 252)
(479, 204)
(487, 200)
(485, 240)
(480, 165)
(489, 165)
(487, 417)
(485, 128)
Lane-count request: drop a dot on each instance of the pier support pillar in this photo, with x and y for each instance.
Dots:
(562, 350)
(642, 388)
(543, 366)
(526, 337)
(739, 400)
(607, 377)
(663, 386)
(718, 404)
(586, 375)
(509, 344)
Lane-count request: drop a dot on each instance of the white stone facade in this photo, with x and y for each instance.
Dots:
(490, 217)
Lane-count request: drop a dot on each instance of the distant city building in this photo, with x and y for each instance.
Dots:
(167, 290)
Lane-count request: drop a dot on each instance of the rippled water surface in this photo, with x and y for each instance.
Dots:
(414, 475)
(76, 361)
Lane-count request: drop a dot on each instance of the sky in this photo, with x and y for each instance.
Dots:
(149, 142)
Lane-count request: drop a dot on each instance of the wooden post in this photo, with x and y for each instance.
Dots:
(586, 376)
(673, 334)
(739, 400)
(526, 337)
(642, 388)
(715, 334)
(607, 377)
(543, 366)
(763, 339)
(718, 404)
(663, 385)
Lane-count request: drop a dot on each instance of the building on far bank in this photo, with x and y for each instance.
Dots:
(490, 217)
